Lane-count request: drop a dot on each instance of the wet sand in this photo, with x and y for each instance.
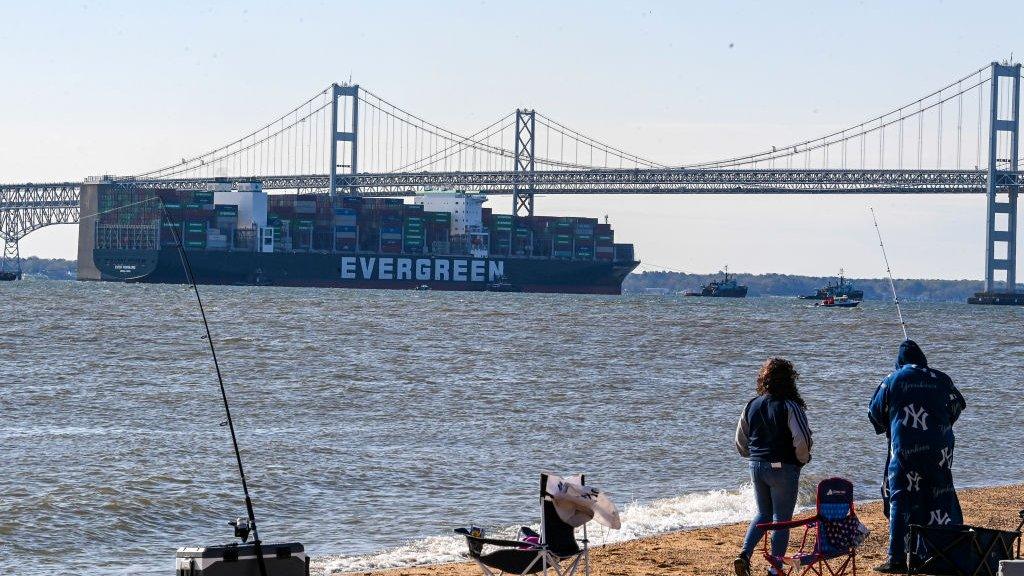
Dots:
(709, 551)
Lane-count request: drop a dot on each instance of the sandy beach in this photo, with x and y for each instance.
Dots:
(709, 551)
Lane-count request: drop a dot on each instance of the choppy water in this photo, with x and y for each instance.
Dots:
(375, 421)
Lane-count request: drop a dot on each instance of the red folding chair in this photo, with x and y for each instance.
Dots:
(829, 543)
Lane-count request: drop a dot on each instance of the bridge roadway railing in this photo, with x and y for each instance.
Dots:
(626, 181)
(28, 207)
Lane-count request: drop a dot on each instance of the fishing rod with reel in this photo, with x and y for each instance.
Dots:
(888, 270)
(288, 559)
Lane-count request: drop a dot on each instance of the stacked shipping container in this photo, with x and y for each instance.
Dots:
(315, 222)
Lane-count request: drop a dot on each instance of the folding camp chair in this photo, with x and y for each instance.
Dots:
(554, 548)
(961, 550)
(830, 539)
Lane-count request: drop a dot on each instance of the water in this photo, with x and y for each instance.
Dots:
(375, 421)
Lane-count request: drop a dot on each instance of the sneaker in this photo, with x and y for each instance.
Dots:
(741, 565)
(892, 567)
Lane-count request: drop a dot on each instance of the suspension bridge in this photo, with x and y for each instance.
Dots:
(961, 138)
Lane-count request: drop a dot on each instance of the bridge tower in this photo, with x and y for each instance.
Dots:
(1004, 124)
(522, 196)
(351, 134)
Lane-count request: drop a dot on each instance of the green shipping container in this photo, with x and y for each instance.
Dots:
(202, 197)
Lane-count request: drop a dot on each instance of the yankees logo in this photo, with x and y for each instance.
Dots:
(913, 481)
(938, 517)
(947, 458)
(916, 417)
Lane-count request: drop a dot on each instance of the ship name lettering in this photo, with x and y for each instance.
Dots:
(497, 270)
(404, 271)
(386, 268)
(366, 264)
(459, 271)
(441, 269)
(423, 269)
(348, 268)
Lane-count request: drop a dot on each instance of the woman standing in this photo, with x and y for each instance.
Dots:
(773, 433)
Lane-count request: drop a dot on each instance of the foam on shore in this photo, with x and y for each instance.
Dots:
(639, 520)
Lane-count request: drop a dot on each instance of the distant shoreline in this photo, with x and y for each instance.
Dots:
(791, 285)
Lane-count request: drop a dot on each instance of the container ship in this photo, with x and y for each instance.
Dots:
(445, 240)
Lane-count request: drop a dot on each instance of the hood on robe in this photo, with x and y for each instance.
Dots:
(910, 353)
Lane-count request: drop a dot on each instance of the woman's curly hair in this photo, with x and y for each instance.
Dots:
(778, 378)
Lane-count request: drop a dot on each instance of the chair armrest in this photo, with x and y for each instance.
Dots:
(789, 524)
(496, 542)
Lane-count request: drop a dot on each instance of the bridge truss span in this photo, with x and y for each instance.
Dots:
(28, 207)
(628, 181)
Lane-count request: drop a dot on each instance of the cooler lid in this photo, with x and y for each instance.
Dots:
(239, 550)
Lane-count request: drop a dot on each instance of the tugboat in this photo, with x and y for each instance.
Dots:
(724, 288)
(7, 276)
(842, 289)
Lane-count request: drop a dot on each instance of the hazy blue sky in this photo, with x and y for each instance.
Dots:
(120, 87)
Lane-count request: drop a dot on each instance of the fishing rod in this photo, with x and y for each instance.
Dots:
(190, 277)
(888, 270)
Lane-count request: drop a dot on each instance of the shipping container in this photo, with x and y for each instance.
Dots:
(624, 253)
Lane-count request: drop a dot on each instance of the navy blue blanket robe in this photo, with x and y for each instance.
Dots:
(916, 407)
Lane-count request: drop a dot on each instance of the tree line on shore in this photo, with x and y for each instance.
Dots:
(55, 268)
(793, 285)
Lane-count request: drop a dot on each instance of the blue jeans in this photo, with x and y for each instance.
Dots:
(775, 490)
(898, 520)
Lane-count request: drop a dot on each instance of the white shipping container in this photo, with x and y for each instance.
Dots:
(252, 206)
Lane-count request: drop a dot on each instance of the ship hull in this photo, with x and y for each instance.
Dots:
(738, 293)
(369, 270)
(997, 299)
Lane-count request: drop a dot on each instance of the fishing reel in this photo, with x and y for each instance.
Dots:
(242, 528)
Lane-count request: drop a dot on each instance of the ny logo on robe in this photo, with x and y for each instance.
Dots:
(916, 417)
(938, 517)
(947, 458)
(913, 481)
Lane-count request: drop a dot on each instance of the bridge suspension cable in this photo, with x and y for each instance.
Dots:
(392, 140)
(288, 140)
(869, 138)
(612, 157)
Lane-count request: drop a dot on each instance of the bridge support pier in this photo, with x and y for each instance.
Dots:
(1002, 191)
(522, 196)
(11, 259)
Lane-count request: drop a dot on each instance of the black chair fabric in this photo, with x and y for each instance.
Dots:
(960, 550)
(559, 536)
(514, 561)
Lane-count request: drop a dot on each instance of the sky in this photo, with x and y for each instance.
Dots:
(120, 87)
